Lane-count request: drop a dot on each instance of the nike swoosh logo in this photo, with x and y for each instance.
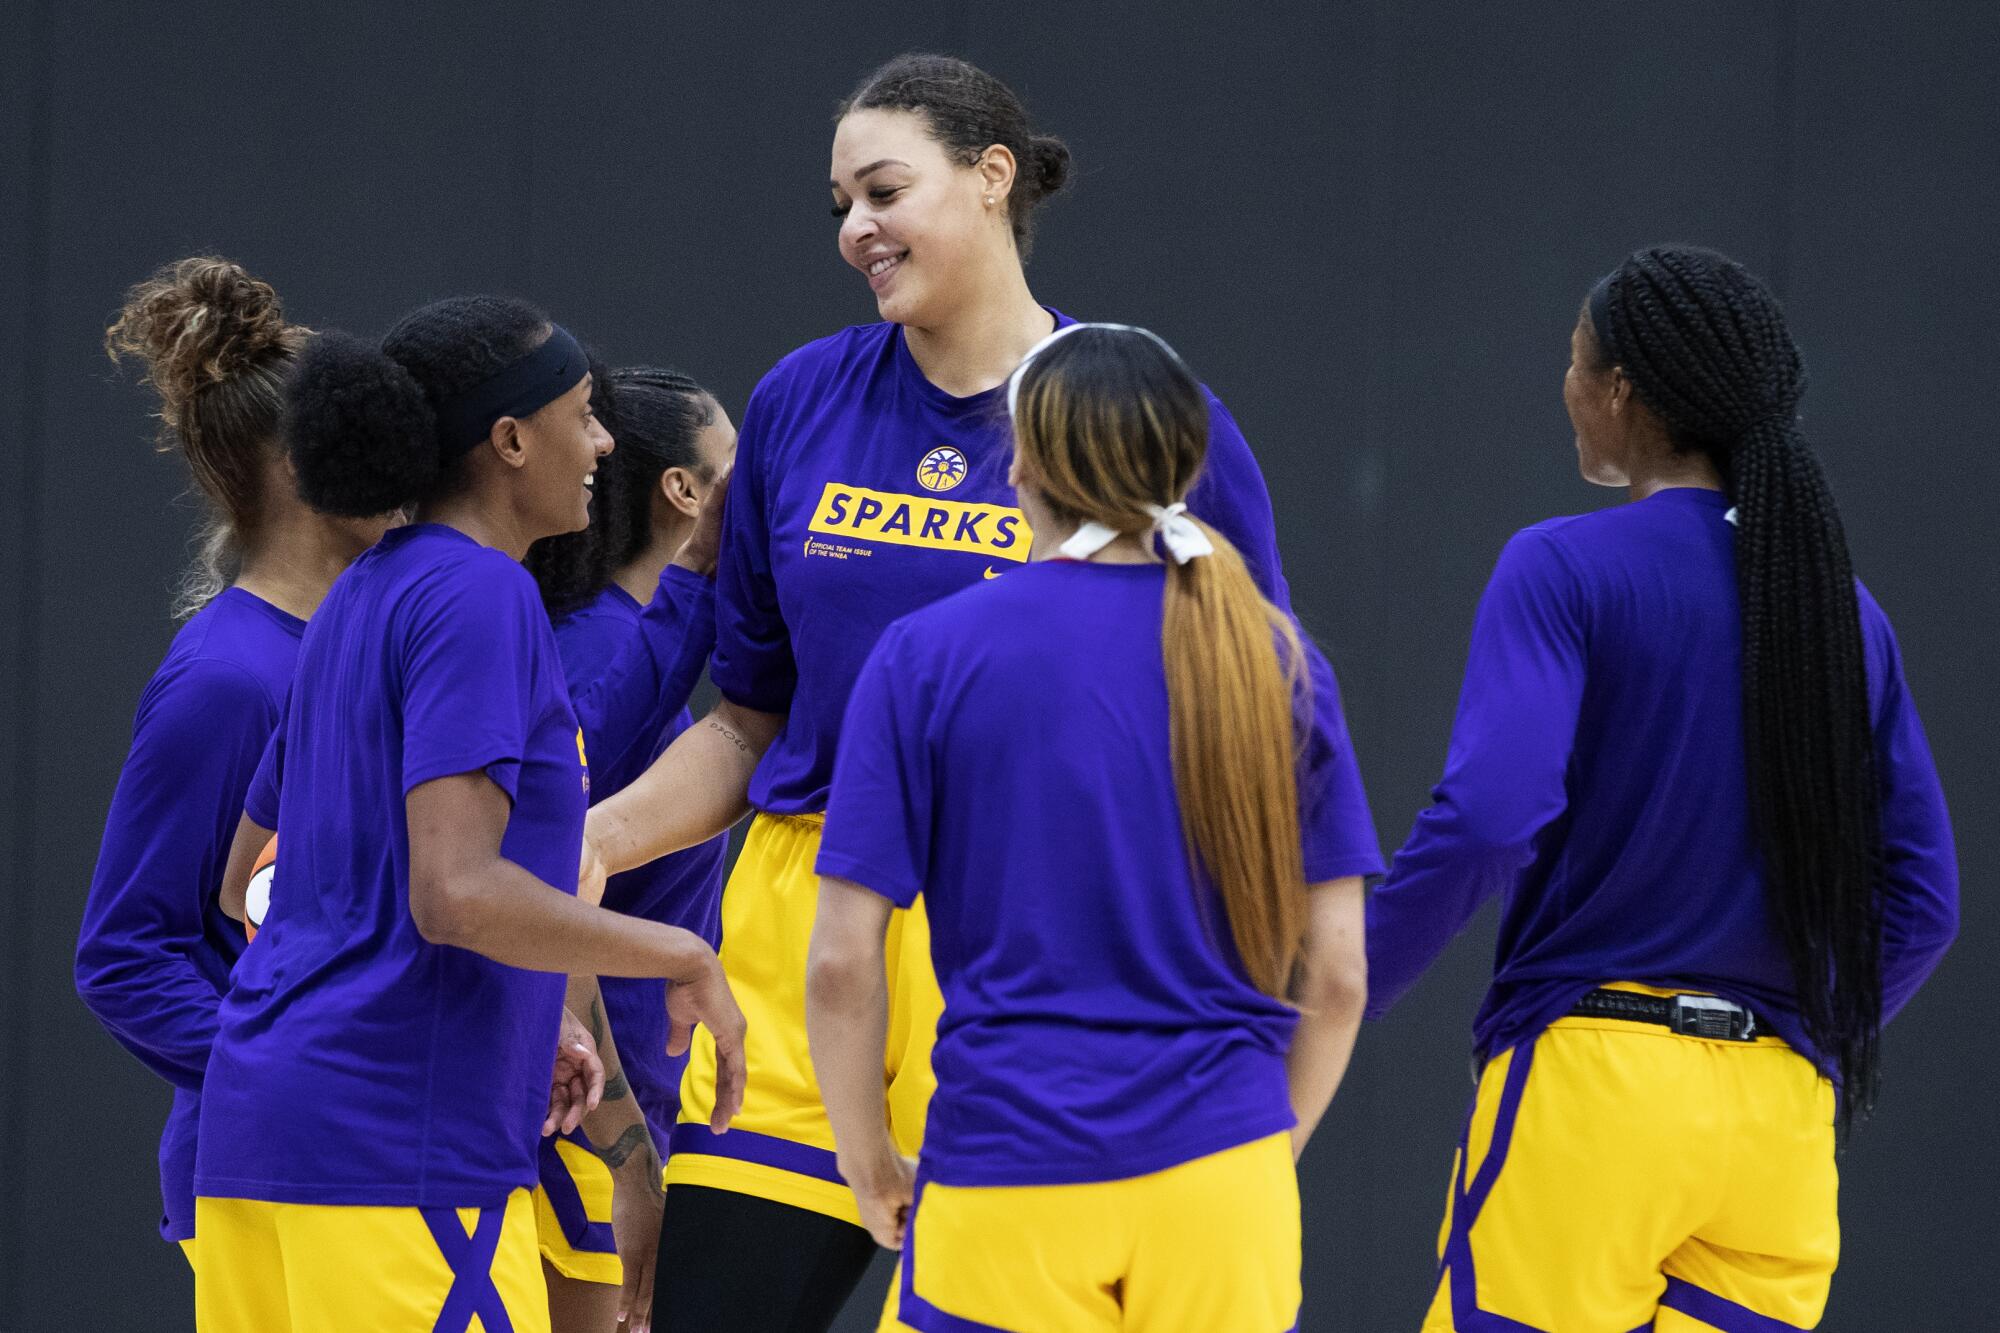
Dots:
(990, 573)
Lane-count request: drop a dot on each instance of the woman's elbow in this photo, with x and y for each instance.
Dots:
(440, 910)
(1334, 981)
(837, 975)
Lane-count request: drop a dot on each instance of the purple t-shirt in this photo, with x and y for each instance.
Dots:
(683, 888)
(1597, 783)
(153, 959)
(863, 491)
(357, 1063)
(1007, 755)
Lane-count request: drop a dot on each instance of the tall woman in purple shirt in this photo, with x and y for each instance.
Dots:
(154, 956)
(1686, 759)
(871, 481)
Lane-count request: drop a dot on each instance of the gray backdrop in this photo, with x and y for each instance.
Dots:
(1367, 225)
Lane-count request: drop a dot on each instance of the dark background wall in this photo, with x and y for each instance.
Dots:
(1369, 227)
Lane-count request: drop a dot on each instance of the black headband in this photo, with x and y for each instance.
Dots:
(526, 386)
(1600, 315)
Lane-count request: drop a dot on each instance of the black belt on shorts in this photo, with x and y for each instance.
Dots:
(1690, 1015)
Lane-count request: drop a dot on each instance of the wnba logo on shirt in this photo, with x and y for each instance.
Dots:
(941, 469)
(582, 760)
(994, 531)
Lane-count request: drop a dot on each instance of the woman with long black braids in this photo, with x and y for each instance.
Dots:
(1686, 757)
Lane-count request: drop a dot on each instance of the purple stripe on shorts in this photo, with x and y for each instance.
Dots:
(1724, 1314)
(1470, 1197)
(913, 1309)
(764, 1149)
(583, 1235)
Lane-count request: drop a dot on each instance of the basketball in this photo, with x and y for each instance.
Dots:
(257, 898)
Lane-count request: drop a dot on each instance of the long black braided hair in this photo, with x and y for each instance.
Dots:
(1706, 348)
(655, 417)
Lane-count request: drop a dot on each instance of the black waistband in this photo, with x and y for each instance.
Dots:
(1690, 1015)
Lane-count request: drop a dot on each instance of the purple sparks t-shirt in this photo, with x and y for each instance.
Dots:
(863, 491)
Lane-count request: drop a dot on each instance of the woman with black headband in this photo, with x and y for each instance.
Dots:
(1686, 759)
(383, 1062)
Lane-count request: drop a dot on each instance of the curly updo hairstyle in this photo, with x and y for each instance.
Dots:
(362, 422)
(968, 111)
(655, 417)
(217, 350)
(1706, 348)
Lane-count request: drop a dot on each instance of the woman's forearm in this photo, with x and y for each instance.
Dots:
(508, 915)
(698, 788)
(617, 1127)
(1331, 992)
(847, 1027)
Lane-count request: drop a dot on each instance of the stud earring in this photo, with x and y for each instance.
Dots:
(989, 201)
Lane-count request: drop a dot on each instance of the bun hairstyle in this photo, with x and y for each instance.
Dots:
(969, 111)
(655, 416)
(362, 421)
(217, 350)
(1109, 422)
(1706, 348)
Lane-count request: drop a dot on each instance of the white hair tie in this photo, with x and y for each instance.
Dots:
(1181, 535)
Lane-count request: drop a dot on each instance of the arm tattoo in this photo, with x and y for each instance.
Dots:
(634, 1138)
(730, 735)
(616, 1088)
(597, 1020)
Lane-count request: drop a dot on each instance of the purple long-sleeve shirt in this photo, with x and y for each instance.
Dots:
(154, 955)
(1596, 782)
(630, 729)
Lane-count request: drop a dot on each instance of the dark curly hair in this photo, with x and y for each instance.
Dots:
(1706, 348)
(969, 111)
(655, 417)
(217, 349)
(362, 420)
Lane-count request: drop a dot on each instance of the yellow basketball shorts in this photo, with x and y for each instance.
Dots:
(320, 1268)
(1211, 1244)
(780, 1146)
(1619, 1176)
(573, 1211)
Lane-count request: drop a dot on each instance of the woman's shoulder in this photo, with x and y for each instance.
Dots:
(445, 571)
(237, 646)
(824, 359)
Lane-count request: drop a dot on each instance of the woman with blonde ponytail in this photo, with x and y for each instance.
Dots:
(1141, 837)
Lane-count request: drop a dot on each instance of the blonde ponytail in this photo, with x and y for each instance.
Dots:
(1110, 428)
(1234, 683)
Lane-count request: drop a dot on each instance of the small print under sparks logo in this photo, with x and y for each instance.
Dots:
(941, 469)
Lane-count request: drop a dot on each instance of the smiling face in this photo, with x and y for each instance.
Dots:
(560, 444)
(915, 222)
